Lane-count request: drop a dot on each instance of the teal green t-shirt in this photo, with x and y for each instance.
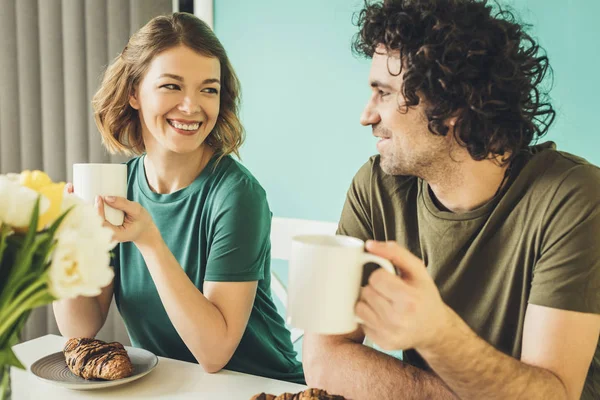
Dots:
(218, 230)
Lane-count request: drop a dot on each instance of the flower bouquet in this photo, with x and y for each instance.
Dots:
(52, 246)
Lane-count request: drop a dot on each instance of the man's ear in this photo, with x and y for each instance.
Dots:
(133, 101)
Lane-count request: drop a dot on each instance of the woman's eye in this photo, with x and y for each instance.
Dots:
(382, 93)
(170, 86)
(210, 90)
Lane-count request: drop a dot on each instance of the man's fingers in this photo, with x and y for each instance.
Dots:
(388, 285)
(366, 314)
(376, 302)
(408, 264)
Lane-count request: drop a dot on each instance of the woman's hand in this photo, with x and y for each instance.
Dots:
(138, 226)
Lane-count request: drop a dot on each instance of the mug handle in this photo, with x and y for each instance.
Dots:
(383, 263)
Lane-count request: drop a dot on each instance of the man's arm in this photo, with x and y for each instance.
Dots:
(343, 365)
(558, 347)
(408, 312)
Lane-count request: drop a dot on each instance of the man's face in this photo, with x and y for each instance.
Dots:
(406, 145)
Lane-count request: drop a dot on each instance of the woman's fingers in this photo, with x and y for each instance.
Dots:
(69, 188)
(99, 204)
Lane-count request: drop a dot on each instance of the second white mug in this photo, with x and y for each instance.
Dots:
(91, 180)
(325, 280)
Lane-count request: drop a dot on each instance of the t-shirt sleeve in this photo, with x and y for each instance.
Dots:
(567, 273)
(356, 216)
(240, 246)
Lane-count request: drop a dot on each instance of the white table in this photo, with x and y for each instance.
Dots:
(171, 379)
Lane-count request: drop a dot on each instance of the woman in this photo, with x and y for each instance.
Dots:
(192, 270)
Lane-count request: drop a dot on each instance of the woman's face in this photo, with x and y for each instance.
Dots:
(178, 100)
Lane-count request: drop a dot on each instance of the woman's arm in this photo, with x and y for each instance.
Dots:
(210, 325)
(83, 316)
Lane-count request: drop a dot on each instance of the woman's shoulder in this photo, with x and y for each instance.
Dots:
(132, 166)
(233, 177)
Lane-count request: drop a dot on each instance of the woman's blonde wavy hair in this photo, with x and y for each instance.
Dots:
(119, 123)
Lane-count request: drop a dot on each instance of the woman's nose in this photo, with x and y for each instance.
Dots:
(189, 105)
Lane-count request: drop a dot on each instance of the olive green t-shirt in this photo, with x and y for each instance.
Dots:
(535, 242)
(218, 230)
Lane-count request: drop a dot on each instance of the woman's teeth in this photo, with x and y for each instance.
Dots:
(185, 127)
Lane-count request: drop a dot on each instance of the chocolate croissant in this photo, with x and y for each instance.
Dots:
(308, 394)
(95, 359)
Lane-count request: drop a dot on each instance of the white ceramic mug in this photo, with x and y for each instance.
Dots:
(91, 180)
(325, 273)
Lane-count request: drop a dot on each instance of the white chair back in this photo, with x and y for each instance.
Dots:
(282, 232)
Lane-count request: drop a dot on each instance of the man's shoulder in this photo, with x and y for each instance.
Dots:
(560, 184)
(558, 169)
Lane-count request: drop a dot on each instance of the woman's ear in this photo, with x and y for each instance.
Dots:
(133, 101)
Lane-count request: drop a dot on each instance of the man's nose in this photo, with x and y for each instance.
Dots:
(369, 116)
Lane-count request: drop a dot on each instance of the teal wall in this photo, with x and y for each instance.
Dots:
(303, 91)
(569, 30)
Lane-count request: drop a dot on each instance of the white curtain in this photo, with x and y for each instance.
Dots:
(52, 55)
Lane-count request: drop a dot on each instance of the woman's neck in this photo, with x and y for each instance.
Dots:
(168, 172)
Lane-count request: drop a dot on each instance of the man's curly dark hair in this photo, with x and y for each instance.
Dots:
(466, 59)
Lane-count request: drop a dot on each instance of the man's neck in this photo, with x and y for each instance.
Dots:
(468, 185)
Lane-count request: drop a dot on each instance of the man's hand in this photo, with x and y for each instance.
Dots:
(401, 312)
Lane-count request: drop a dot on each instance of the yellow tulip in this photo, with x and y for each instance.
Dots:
(41, 183)
(35, 179)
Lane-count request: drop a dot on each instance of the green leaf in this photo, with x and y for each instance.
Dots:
(18, 279)
(12, 336)
(59, 220)
(33, 223)
(23, 258)
(24, 261)
(13, 317)
(4, 265)
(8, 357)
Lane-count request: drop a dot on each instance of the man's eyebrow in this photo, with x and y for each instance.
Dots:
(381, 85)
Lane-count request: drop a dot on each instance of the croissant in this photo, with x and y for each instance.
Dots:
(95, 359)
(308, 394)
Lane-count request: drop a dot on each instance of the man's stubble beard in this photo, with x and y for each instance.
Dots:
(429, 166)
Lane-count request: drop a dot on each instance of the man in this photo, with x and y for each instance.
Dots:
(495, 240)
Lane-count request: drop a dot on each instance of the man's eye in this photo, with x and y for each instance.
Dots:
(170, 86)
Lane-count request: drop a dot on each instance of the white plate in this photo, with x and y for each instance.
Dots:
(53, 369)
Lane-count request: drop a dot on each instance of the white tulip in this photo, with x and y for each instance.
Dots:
(84, 218)
(17, 202)
(80, 261)
(79, 265)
